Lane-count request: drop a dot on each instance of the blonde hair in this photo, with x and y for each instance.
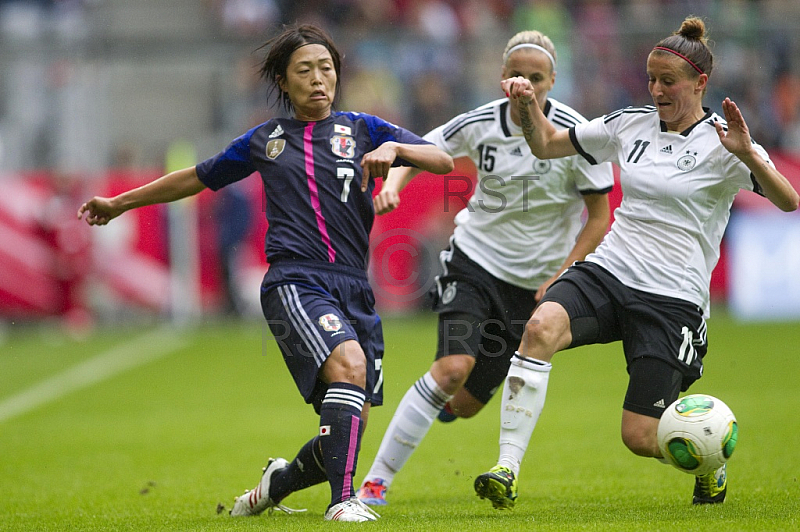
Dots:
(534, 37)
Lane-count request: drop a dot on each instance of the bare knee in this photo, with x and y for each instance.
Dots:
(546, 332)
(639, 443)
(451, 372)
(535, 332)
(639, 434)
(464, 404)
(346, 363)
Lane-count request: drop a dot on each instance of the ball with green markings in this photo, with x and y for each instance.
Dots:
(697, 433)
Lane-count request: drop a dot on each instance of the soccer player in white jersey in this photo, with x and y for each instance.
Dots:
(647, 284)
(521, 229)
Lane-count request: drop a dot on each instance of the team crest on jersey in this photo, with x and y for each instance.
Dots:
(541, 166)
(687, 161)
(275, 147)
(330, 322)
(343, 146)
(449, 293)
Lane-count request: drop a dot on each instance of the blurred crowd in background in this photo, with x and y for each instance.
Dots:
(85, 84)
(100, 95)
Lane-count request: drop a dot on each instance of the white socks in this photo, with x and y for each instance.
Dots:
(412, 419)
(523, 396)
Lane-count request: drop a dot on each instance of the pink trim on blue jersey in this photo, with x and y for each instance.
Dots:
(282, 151)
(308, 148)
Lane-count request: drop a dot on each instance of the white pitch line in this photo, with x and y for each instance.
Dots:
(139, 351)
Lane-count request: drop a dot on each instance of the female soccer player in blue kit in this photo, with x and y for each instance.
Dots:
(317, 169)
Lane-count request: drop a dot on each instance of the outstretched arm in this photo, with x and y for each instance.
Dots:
(737, 141)
(171, 187)
(424, 156)
(544, 140)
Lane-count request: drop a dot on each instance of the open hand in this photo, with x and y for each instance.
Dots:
(737, 139)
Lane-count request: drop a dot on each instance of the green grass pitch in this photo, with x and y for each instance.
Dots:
(158, 445)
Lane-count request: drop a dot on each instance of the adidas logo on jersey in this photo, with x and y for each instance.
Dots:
(667, 149)
(277, 133)
(660, 404)
(516, 151)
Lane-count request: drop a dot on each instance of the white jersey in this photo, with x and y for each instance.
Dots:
(525, 214)
(677, 191)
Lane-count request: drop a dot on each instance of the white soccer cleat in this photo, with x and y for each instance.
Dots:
(256, 500)
(351, 510)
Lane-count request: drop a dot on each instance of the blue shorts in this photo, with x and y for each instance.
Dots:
(311, 307)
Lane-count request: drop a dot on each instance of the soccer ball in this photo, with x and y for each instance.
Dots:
(697, 434)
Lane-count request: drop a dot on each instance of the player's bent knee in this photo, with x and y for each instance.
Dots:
(467, 411)
(464, 404)
(536, 333)
(451, 372)
(347, 363)
(546, 332)
(640, 440)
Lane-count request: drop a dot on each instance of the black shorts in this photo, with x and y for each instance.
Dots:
(480, 316)
(651, 326)
(311, 308)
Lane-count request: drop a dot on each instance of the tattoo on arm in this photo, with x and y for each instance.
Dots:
(527, 123)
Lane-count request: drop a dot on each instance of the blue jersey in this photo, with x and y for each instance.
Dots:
(312, 182)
